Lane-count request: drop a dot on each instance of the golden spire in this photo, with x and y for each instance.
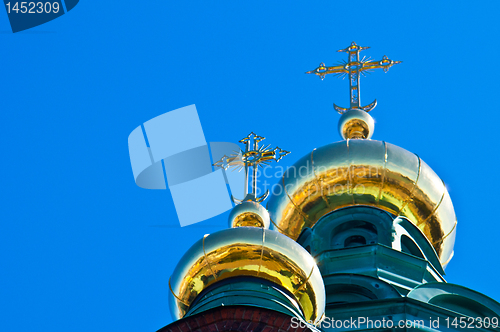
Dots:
(354, 67)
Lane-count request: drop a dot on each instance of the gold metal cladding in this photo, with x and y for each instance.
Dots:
(415, 184)
(206, 259)
(356, 124)
(383, 174)
(368, 173)
(249, 219)
(349, 171)
(296, 208)
(249, 214)
(172, 292)
(316, 178)
(449, 233)
(276, 226)
(248, 251)
(262, 250)
(355, 129)
(445, 211)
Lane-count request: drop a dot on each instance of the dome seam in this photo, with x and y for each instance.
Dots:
(291, 201)
(262, 250)
(305, 281)
(410, 197)
(206, 258)
(444, 237)
(435, 209)
(351, 181)
(383, 174)
(172, 291)
(317, 181)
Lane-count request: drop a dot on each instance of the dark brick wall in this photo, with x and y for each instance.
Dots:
(235, 319)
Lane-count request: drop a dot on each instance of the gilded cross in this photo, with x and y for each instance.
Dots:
(353, 68)
(253, 156)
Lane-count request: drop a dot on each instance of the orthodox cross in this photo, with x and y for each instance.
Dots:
(253, 156)
(354, 67)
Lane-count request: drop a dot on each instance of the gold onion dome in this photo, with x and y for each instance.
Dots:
(248, 252)
(364, 173)
(249, 248)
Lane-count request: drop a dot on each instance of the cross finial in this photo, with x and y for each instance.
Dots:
(253, 156)
(354, 67)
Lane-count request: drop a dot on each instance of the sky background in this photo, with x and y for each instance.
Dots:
(84, 249)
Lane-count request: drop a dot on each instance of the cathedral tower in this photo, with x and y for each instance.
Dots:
(354, 236)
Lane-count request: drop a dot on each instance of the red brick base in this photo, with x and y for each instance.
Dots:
(235, 319)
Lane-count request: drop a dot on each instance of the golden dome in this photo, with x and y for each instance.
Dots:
(249, 213)
(369, 173)
(356, 124)
(248, 251)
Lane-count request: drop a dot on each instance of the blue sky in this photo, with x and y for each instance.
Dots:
(83, 248)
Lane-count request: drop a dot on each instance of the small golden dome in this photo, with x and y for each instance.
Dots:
(369, 173)
(252, 252)
(250, 214)
(356, 124)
